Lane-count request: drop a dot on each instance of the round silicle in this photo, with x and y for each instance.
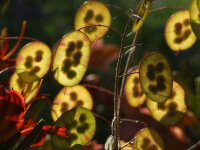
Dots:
(156, 77)
(93, 13)
(70, 97)
(29, 89)
(71, 58)
(81, 126)
(148, 139)
(178, 32)
(171, 111)
(133, 90)
(194, 18)
(33, 61)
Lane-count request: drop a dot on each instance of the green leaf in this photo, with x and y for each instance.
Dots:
(35, 110)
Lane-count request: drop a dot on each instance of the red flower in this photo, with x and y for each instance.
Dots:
(12, 108)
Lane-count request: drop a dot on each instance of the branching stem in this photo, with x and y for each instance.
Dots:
(101, 25)
(18, 42)
(166, 7)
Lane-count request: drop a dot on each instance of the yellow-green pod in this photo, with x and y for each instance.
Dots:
(156, 77)
(198, 4)
(133, 90)
(148, 139)
(93, 13)
(70, 97)
(178, 32)
(194, 18)
(33, 61)
(71, 58)
(29, 89)
(171, 111)
(81, 126)
(142, 13)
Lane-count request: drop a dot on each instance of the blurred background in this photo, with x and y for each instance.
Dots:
(49, 20)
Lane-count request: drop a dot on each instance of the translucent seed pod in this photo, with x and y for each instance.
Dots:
(171, 111)
(156, 77)
(148, 139)
(33, 61)
(71, 97)
(81, 126)
(178, 32)
(71, 58)
(93, 13)
(133, 90)
(29, 89)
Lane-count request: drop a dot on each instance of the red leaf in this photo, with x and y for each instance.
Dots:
(12, 108)
(40, 140)
(4, 43)
(59, 131)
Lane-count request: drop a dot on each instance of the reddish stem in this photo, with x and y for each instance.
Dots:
(18, 42)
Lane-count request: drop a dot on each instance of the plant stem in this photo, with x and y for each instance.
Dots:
(166, 7)
(18, 42)
(194, 146)
(116, 99)
(127, 65)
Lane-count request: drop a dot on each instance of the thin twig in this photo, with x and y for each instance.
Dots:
(100, 25)
(121, 9)
(99, 88)
(128, 144)
(18, 42)
(166, 7)
(127, 66)
(99, 116)
(128, 74)
(140, 44)
(116, 99)
(197, 144)
(17, 37)
(134, 121)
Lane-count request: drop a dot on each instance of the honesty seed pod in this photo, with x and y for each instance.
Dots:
(71, 58)
(93, 13)
(80, 124)
(33, 61)
(148, 139)
(70, 97)
(171, 111)
(178, 32)
(194, 18)
(133, 90)
(29, 89)
(156, 77)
